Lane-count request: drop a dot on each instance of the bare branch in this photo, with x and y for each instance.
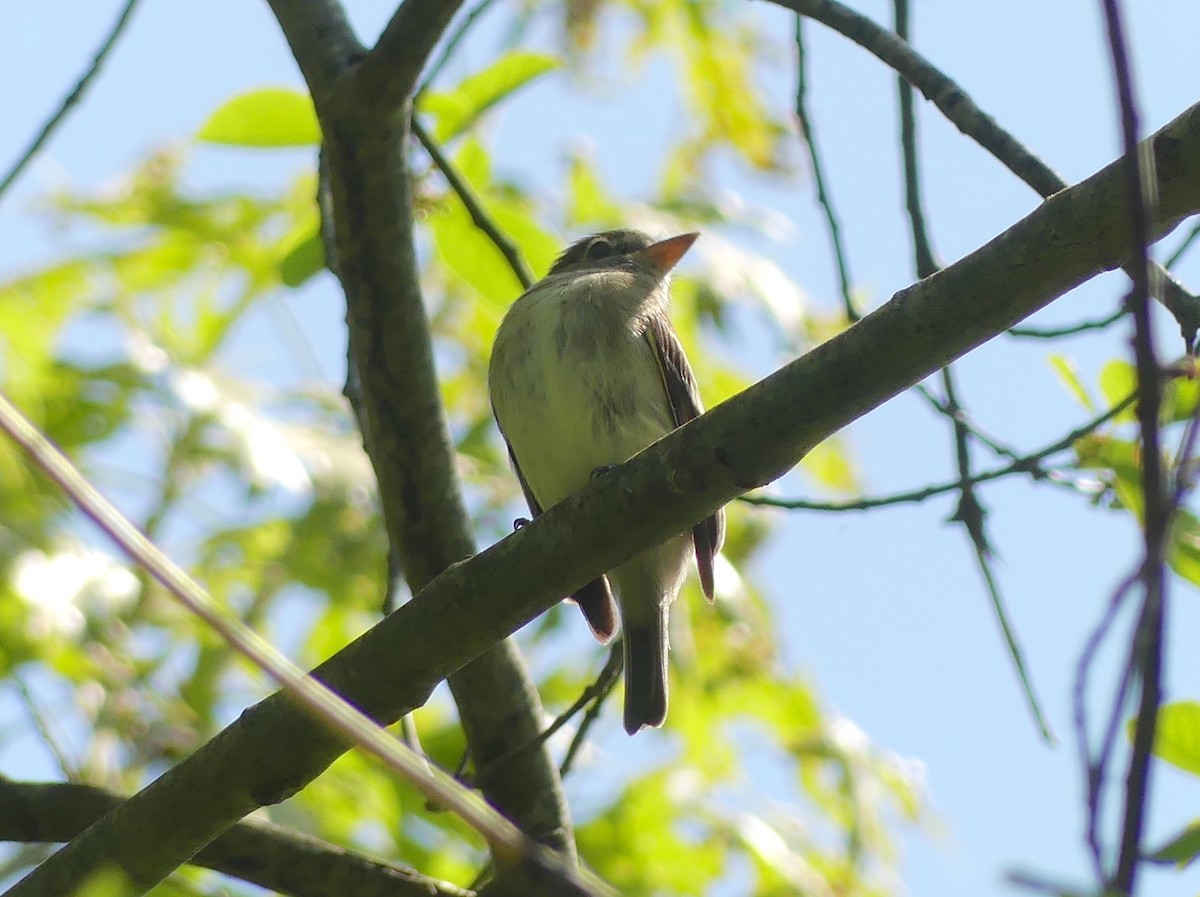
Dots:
(961, 110)
(1183, 247)
(321, 40)
(452, 43)
(388, 75)
(1146, 655)
(474, 206)
(818, 173)
(71, 99)
(1071, 330)
(267, 855)
(970, 512)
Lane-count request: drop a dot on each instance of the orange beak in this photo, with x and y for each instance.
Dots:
(665, 254)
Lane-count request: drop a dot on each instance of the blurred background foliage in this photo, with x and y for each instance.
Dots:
(256, 481)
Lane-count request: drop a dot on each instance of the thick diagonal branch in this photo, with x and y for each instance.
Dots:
(752, 439)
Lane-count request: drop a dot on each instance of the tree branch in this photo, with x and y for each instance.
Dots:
(388, 75)
(809, 135)
(322, 42)
(407, 437)
(264, 854)
(961, 110)
(1026, 464)
(1146, 655)
(474, 206)
(71, 99)
(394, 388)
(275, 748)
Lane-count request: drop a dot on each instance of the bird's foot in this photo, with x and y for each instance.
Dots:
(600, 471)
(520, 522)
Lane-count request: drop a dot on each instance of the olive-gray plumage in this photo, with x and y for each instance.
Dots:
(586, 371)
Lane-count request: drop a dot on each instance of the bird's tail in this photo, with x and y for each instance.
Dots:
(646, 672)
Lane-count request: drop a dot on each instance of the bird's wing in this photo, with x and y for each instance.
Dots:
(595, 599)
(684, 396)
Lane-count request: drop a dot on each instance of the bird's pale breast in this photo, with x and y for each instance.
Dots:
(575, 386)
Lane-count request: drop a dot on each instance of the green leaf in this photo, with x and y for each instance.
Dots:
(1069, 374)
(303, 261)
(269, 117)
(1118, 380)
(1181, 850)
(830, 464)
(458, 109)
(1184, 555)
(469, 253)
(1177, 739)
(587, 198)
(108, 882)
(1179, 399)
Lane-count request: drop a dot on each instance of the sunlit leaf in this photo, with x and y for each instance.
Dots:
(830, 465)
(1184, 549)
(470, 253)
(270, 117)
(457, 109)
(1118, 380)
(1180, 396)
(1177, 736)
(1069, 375)
(588, 200)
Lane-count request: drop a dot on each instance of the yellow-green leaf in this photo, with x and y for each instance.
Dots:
(1179, 399)
(269, 117)
(587, 197)
(1184, 554)
(1118, 380)
(1069, 374)
(831, 466)
(1177, 740)
(456, 110)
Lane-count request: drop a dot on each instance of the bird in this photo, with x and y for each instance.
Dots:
(585, 372)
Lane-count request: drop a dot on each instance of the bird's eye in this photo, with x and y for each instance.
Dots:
(599, 248)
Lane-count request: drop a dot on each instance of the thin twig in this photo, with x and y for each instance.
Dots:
(594, 692)
(1070, 330)
(962, 111)
(1183, 247)
(479, 215)
(818, 174)
(451, 45)
(1096, 767)
(45, 729)
(1015, 650)
(72, 98)
(605, 683)
(1146, 654)
(1027, 464)
(970, 511)
(960, 416)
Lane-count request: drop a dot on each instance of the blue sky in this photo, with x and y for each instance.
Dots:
(885, 610)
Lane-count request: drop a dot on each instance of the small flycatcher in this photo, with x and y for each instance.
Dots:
(587, 371)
